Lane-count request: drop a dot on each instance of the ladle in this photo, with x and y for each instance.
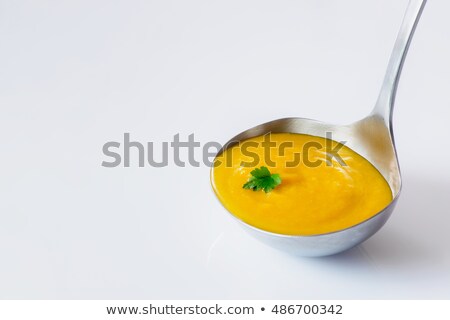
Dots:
(371, 137)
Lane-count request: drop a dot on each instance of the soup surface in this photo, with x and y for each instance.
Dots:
(325, 186)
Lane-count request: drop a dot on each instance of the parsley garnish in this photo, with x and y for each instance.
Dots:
(261, 179)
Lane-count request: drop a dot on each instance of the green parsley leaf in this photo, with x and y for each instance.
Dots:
(261, 179)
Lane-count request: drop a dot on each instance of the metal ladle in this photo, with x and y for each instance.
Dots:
(371, 137)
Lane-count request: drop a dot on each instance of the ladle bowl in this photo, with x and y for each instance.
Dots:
(371, 137)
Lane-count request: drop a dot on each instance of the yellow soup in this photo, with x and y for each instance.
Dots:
(319, 192)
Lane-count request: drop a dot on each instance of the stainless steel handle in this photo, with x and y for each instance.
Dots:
(385, 103)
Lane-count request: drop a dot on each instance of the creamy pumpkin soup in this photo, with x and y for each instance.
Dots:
(298, 184)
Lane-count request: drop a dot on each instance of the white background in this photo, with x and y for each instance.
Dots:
(76, 74)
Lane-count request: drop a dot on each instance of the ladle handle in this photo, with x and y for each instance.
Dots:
(386, 98)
